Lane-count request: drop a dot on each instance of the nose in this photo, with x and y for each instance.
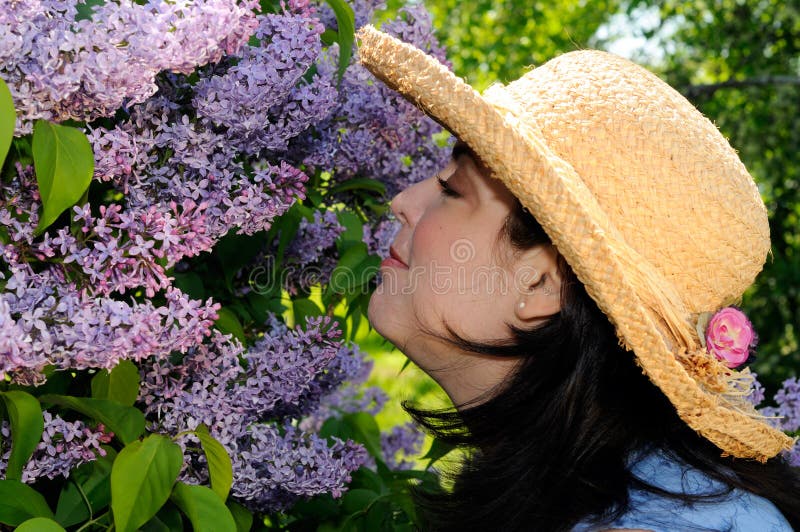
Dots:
(409, 204)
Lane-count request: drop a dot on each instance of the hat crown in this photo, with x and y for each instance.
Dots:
(666, 178)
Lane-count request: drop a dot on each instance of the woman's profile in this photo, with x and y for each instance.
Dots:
(568, 280)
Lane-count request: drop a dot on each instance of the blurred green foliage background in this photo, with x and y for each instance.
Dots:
(738, 61)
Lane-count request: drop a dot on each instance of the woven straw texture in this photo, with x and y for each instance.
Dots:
(640, 193)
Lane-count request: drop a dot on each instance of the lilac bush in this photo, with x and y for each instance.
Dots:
(222, 136)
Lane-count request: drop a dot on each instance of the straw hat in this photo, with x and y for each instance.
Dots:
(641, 194)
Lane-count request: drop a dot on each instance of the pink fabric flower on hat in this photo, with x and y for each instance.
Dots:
(730, 337)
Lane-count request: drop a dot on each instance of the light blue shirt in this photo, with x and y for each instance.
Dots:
(736, 511)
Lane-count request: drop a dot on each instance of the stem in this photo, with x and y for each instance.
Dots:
(93, 521)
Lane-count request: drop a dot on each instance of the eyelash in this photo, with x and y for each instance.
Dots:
(446, 190)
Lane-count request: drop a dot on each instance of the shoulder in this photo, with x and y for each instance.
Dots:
(721, 508)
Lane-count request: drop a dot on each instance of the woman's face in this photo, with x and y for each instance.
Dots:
(451, 265)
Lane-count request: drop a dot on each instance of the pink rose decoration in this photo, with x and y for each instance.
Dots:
(730, 337)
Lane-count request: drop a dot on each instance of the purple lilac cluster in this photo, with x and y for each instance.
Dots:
(61, 66)
(202, 167)
(46, 320)
(373, 131)
(250, 400)
(400, 443)
(262, 100)
(311, 255)
(786, 415)
(65, 445)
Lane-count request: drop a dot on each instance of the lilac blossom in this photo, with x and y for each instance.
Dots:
(373, 131)
(59, 66)
(52, 322)
(311, 256)
(279, 466)
(64, 446)
(262, 100)
(248, 398)
(400, 444)
(786, 415)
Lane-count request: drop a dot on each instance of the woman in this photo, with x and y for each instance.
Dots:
(566, 280)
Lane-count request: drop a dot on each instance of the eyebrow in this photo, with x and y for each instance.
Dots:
(460, 148)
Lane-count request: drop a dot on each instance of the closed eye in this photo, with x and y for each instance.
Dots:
(446, 189)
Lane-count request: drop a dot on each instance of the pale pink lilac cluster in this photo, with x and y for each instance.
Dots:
(250, 400)
(61, 66)
(45, 320)
(65, 445)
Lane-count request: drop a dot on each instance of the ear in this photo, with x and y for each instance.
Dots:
(538, 284)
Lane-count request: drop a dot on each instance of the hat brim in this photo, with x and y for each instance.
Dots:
(637, 300)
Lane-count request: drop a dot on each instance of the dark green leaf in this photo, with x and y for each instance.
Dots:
(304, 308)
(39, 524)
(346, 23)
(27, 424)
(228, 323)
(94, 479)
(360, 183)
(242, 516)
(220, 468)
(353, 227)
(8, 118)
(20, 502)
(64, 164)
(191, 284)
(84, 9)
(168, 519)
(358, 500)
(141, 480)
(126, 422)
(345, 277)
(329, 37)
(120, 385)
(204, 508)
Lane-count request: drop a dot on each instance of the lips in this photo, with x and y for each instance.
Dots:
(394, 259)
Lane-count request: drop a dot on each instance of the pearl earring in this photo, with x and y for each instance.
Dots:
(521, 304)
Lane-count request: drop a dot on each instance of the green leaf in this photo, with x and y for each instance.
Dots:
(27, 424)
(242, 516)
(64, 164)
(345, 277)
(304, 308)
(84, 9)
(228, 323)
(94, 480)
(20, 502)
(204, 508)
(40, 524)
(346, 22)
(220, 468)
(126, 422)
(360, 183)
(329, 37)
(358, 500)
(141, 480)
(360, 427)
(353, 227)
(120, 385)
(8, 119)
(168, 519)
(437, 451)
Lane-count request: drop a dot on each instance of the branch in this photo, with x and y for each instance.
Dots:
(694, 91)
